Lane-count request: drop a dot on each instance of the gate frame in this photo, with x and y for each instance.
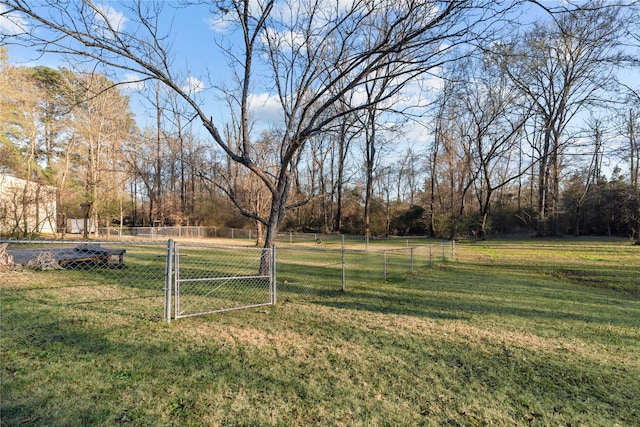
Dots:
(173, 281)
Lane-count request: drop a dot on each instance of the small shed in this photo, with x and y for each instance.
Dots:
(76, 226)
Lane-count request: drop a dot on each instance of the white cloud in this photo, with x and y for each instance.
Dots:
(132, 83)
(193, 85)
(416, 96)
(111, 17)
(265, 108)
(11, 23)
(418, 133)
(219, 24)
(287, 41)
(223, 23)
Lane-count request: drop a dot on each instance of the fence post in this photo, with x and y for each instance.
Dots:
(453, 250)
(343, 264)
(430, 256)
(167, 282)
(176, 281)
(274, 297)
(384, 257)
(411, 250)
(444, 257)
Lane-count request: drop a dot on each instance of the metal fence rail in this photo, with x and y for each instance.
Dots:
(210, 279)
(206, 232)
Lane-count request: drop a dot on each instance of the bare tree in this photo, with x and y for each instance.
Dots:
(407, 177)
(563, 66)
(493, 117)
(594, 169)
(634, 148)
(629, 119)
(344, 133)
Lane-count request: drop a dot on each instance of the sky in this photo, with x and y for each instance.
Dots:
(192, 37)
(192, 40)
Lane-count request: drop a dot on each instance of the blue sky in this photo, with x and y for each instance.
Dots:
(197, 59)
(192, 39)
(193, 34)
(191, 31)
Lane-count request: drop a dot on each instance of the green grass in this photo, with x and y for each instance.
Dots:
(511, 333)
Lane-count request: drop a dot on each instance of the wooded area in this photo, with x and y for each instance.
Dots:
(530, 127)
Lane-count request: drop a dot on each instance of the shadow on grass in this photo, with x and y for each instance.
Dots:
(614, 277)
(133, 303)
(304, 280)
(515, 297)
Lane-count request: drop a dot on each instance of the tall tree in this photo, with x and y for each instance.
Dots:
(493, 117)
(563, 66)
(629, 122)
(102, 123)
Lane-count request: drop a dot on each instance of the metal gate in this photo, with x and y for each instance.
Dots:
(211, 278)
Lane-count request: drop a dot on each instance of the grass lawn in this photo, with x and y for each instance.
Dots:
(530, 332)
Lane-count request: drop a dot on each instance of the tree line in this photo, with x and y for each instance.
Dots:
(526, 127)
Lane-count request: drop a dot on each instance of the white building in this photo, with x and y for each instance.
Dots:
(26, 206)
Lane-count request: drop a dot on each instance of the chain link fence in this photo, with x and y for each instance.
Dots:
(165, 280)
(314, 271)
(205, 232)
(307, 271)
(125, 278)
(177, 232)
